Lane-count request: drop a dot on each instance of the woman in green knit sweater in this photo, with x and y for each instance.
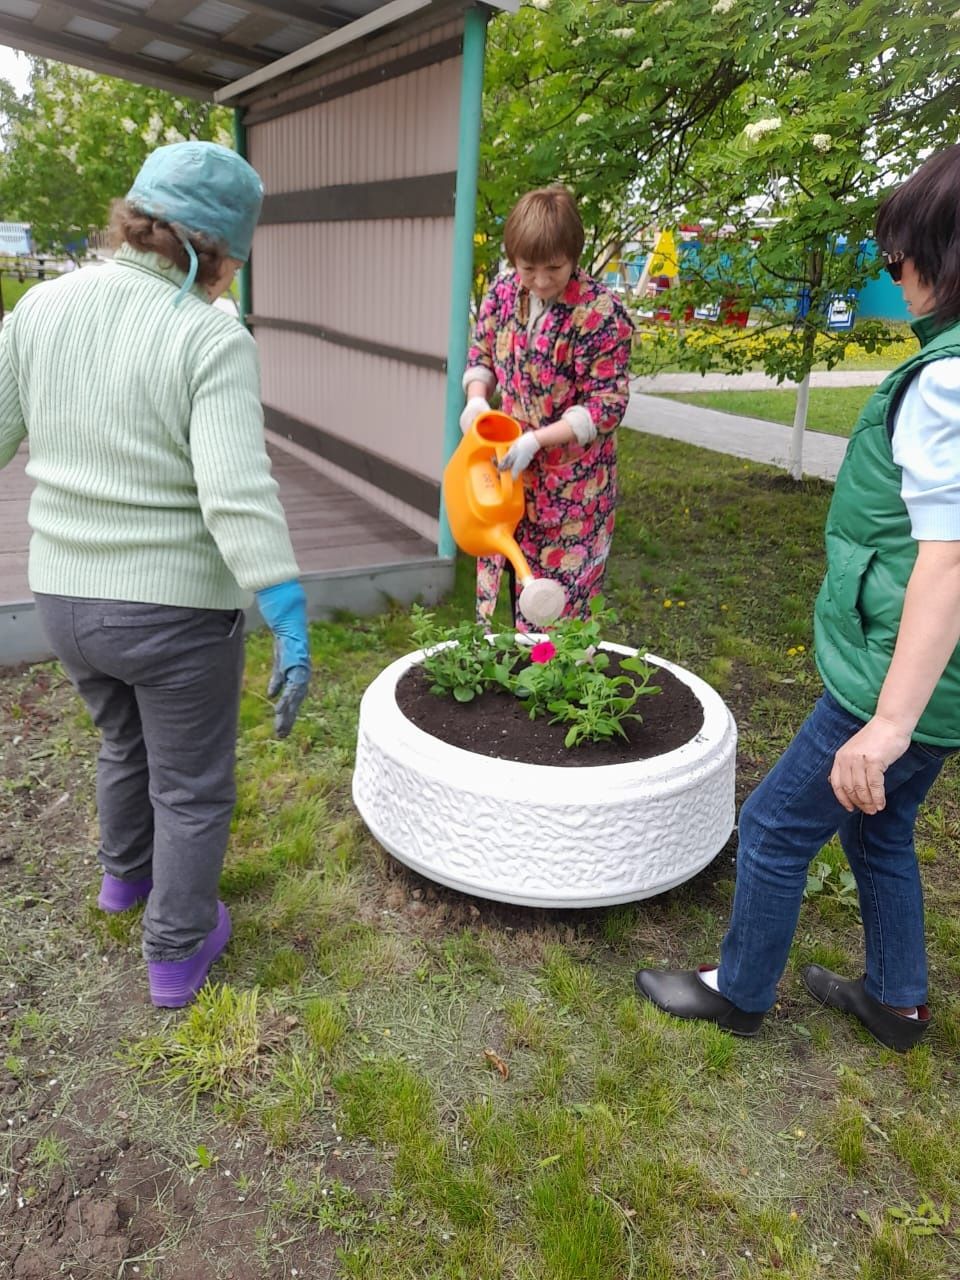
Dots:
(154, 518)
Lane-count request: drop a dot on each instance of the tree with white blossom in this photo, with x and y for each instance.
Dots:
(608, 98)
(76, 141)
(777, 125)
(845, 101)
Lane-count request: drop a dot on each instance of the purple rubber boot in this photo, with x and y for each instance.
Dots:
(121, 895)
(174, 983)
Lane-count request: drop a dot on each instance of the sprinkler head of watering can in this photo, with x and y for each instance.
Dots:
(541, 601)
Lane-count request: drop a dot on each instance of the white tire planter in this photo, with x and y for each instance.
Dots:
(539, 835)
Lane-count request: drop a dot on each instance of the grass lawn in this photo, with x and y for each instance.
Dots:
(888, 359)
(831, 409)
(14, 289)
(329, 1110)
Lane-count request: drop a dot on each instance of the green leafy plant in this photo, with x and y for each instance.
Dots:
(926, 1219)
(564, 677)
(834, 883)
(463, 661)
(603, 704)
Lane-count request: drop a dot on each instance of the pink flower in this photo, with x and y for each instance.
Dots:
(571, 294)
(543, 651)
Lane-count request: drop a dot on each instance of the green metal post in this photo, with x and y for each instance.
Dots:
(243, 276)
(464, 224)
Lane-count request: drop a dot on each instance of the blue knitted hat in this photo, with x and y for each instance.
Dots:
(201, 187)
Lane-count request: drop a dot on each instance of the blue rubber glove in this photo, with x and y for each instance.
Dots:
(284, 609)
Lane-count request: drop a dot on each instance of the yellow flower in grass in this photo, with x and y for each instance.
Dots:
(668, 604)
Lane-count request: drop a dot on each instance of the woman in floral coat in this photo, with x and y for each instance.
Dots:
(557, 346)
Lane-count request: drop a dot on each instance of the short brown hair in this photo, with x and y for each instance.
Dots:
(128, 225)
(544, 225)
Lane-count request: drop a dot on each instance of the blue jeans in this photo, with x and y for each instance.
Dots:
(785, 822)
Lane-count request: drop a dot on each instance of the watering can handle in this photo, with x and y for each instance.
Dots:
(506, 477)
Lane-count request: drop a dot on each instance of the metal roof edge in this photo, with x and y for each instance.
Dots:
(386, 15)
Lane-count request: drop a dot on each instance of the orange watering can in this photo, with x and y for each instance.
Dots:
(484, 506)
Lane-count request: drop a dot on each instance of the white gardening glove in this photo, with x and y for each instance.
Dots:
(475, 406)
(520, 454)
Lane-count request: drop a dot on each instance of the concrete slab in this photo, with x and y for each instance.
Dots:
(751, 438)
(678, 383)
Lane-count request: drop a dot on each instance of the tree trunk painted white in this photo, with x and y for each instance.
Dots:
(640, 288)
(799, 426)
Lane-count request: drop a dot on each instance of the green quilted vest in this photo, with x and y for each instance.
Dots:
(870, 555)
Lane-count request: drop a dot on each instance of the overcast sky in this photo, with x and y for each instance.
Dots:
(14, 67)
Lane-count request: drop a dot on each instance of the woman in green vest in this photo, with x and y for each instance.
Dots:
(887, 627)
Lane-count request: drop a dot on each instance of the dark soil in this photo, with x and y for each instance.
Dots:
(497, 724)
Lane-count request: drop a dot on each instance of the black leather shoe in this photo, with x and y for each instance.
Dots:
(895, 1030)
(682, 993)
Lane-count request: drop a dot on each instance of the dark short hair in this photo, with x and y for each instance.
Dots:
(544, 225)
(921, 221)
(129, 225)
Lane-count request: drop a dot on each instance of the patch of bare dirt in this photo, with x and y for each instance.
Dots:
(85, 1190)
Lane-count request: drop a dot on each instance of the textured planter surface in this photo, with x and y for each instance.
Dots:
(538, 835)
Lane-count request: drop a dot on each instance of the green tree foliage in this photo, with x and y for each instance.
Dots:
(844, 104)
(77, 140)
(802, 113)
(611, 99)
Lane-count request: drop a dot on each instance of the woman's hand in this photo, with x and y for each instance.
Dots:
(284, 610)
(929, 632)
(859, 765)
(474, 407)
(520, 454)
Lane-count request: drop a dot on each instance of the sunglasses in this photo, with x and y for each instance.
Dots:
(893, 265)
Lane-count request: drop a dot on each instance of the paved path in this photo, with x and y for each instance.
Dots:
(752, 438)
(681, 382)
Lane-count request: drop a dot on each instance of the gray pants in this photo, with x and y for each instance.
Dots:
(163, 687)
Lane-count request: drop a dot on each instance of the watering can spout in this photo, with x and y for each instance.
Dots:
(484, 506)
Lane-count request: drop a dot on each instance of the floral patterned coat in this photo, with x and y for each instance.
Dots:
(579, 355)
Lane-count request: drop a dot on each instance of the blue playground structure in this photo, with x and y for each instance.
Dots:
(879, 299)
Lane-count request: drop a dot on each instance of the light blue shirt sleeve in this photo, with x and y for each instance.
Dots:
(926, 446)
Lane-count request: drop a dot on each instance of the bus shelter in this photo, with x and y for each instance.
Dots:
(364, 121)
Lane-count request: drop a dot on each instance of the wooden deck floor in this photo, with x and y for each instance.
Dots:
(331, 528)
